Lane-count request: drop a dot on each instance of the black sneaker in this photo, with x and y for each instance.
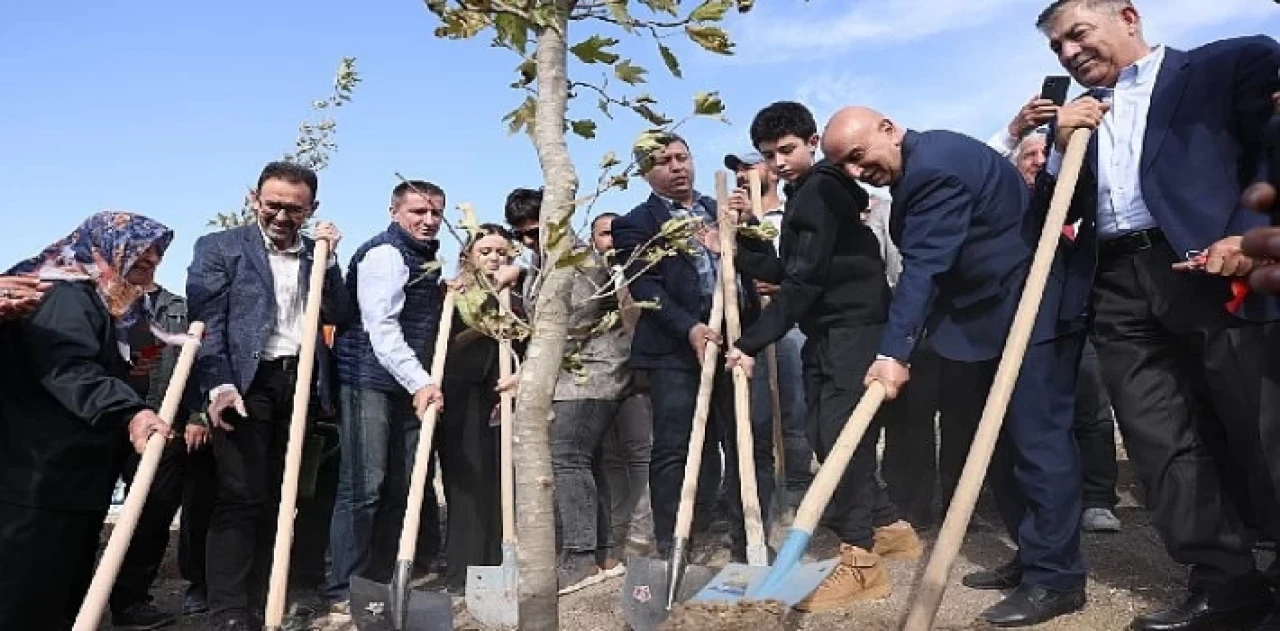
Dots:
(140, 617)
(577, 570)
(196, 601)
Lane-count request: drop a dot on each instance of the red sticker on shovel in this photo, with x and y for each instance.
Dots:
(642, 594)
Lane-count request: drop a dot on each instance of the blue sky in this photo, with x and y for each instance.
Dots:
(171, 108)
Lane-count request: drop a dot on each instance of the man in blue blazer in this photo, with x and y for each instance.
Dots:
(1178, 136)
(249, 286)
(668, 344)
(963, 221)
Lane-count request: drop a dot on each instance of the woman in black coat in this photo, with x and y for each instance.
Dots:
(68, 413)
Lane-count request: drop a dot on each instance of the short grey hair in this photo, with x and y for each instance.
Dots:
(1017, 151)
(1051, 12)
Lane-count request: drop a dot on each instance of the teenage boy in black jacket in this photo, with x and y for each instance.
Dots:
(832, 283)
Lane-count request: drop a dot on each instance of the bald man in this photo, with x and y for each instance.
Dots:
(963, 219)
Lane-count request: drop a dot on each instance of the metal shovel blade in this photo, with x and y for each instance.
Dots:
(373, 608)
(741, 582)
(493, 592)
(644, 592)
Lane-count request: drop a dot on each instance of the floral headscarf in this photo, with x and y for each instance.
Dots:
(103, 250)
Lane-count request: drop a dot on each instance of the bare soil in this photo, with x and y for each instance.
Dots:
(1129, 573)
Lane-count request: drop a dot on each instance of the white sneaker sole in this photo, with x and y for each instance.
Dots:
(594, 579)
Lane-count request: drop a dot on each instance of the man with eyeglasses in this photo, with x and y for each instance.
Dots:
(248, 285)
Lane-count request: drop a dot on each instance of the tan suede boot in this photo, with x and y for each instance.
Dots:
(858, 577)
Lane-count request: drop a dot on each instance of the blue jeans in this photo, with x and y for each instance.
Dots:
(798, 453)
(378, 437)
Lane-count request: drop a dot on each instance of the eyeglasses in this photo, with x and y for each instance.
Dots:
(527, 233)
(292, 210)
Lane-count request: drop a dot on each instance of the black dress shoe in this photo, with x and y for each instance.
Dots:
(1033, 604)
(1007, 576)
(1195, 614)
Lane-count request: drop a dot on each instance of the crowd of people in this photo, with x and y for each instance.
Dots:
(1147, 323)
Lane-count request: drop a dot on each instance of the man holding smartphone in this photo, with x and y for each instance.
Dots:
(1037, 112)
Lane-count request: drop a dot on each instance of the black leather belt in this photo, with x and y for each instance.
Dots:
(1132, 242)
(286, 364)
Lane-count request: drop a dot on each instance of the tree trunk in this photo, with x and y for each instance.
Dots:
(535, 507)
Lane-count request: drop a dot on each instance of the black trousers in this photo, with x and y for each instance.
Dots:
(674, 394)
(1185, 377)
(835, 363)
(1095, 431)
(469, 465)
(250, 469)
(182, 480)
(46, 563)
(909, 465)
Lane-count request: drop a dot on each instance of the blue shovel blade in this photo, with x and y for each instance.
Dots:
(738, 582)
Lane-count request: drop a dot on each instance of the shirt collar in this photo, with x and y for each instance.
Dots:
(1142, 72)
(675, 205)
(294, 249)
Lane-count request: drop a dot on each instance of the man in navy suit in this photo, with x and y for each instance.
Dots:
(249, 285)
(963, 221)
(1178, 136)
(670, 339)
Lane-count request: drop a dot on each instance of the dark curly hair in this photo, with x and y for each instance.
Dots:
(523, 204)
(784, 118)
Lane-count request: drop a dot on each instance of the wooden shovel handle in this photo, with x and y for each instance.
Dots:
(928, 596)
(422, 457)
(109, 567)
(741, 387)
(279, 582)
(507, 431)
(698, 436)
(832, 470)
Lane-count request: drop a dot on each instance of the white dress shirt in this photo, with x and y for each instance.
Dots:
(383, 275)
(1004, 143)
(285, 337)
(1121, 208)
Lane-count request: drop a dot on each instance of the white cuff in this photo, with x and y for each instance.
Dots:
(880, 357)
(213, 394)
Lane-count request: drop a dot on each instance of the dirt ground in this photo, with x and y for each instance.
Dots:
(1129, 573)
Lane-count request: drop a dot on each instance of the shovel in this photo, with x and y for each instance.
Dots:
(782, 514)
(757, 551)
(278, 586)
(104, 578)
(653, 586)
(928, 596)
(492, 592)
(379, 607)
(788, 580)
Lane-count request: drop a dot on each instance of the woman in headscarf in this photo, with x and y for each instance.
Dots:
(68, 413)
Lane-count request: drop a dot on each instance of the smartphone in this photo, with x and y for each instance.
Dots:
(1055, 89)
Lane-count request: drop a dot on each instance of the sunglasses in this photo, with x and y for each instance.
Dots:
(527, 233)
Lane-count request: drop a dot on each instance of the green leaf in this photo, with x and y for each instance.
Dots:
(585, 128)
(469, 221)
(708, 104)
(710, 11)
(629, 73)
(649, 115)
(644, 99)
(619, 181)
(528, 70)
(603, 104)
(521, 117)
(618, 9)
(745, 5)
(710, 38)
(662, 6)
(574, 258)
(609, 160)
(592, 50)
(461, 23)
(511, 31)
(669, 58)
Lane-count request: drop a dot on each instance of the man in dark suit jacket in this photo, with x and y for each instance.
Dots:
(962, 219)
(248, 285)
(668, 343)
(1178, 137)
